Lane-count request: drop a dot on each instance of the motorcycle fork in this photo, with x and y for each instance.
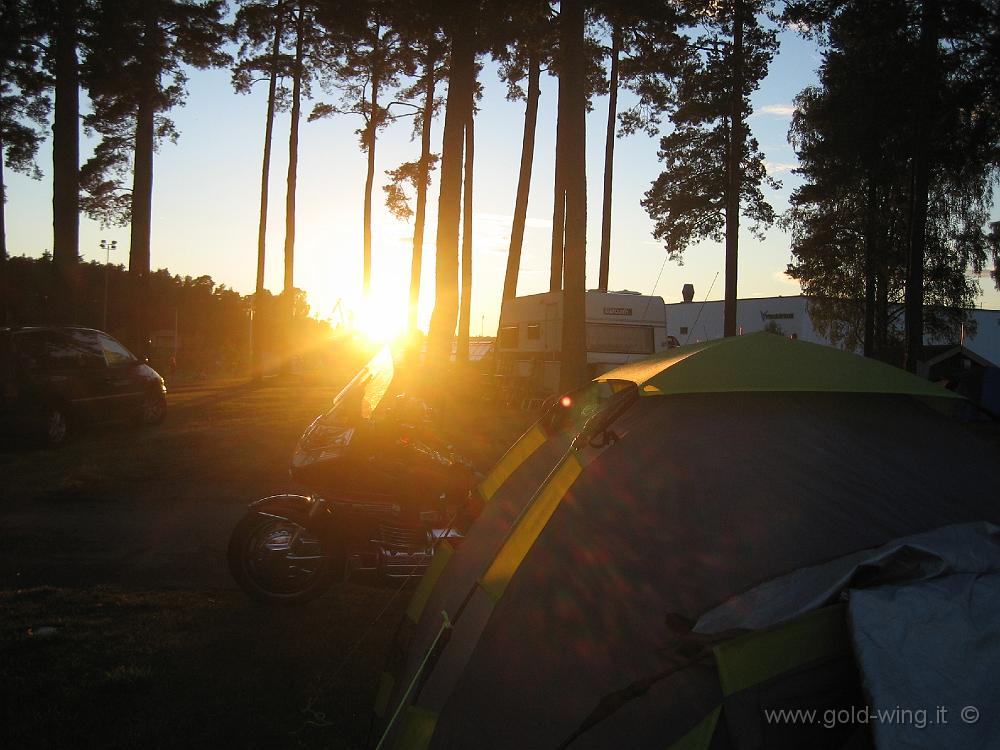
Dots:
(316, 506)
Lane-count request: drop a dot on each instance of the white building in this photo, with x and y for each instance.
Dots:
(690, 322)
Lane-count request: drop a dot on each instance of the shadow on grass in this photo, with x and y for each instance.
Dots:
(118, 669)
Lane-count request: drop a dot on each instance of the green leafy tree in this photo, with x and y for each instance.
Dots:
(898, 145)
(713, 166)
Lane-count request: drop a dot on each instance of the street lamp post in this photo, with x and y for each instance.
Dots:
(107, 247)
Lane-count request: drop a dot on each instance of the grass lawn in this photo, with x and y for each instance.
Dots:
(128, 669)
(119, 625)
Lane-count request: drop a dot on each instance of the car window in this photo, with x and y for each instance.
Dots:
(59, 350)
(86, 346)
(115, 353)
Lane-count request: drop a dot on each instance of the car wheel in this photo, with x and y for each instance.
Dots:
(55, 426)
(152, 410)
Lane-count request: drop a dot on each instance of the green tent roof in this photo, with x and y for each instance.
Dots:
(767, 362)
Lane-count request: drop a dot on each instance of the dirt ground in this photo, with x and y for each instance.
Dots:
(153, 507)
(120, 625)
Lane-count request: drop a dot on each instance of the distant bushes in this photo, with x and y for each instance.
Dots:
(213, 321)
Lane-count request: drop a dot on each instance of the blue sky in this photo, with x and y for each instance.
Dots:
(206, 194)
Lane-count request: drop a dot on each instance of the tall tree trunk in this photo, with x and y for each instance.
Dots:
(293, 161)
(142, 186)
(256, 329)
(558, 248)
(461, 84)
(870, 273)
(882, 302)
(734, 173)
(523, 177)
(572, 131)
(609, 159)
(366, 282)
(427, 117)
(465, 305)
(142, 218)
(921, 180)
(66, 159)
(4, 299)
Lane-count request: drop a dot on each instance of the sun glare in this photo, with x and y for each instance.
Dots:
(381, 317)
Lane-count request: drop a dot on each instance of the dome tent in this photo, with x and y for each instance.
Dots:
(709, 471)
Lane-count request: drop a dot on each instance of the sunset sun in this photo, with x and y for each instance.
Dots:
(382, 316)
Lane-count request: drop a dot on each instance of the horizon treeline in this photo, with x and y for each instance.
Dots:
(897, 143)
(209, 322)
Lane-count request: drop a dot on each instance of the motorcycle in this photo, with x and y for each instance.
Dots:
(382, 488)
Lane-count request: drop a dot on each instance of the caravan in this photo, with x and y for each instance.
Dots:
(622, 327)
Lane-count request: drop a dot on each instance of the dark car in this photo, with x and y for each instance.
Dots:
(54, 378)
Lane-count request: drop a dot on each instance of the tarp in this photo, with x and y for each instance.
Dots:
(958, 548)
(929, 654)
(924, 619)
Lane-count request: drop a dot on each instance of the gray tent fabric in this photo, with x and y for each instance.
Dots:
(473, 556)
(703, 497)
(957, 548)
(929, 654)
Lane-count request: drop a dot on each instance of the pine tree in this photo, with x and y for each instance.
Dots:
(713, 166)
(135, 73)
(463, 38)
(423, 37)
(24, 110)
(571, 166)
(523, 56)
(646, 54)
(898, 146)
(369, 68)
(261, 28)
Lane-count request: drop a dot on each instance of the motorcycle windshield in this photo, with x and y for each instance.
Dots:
(362, 395)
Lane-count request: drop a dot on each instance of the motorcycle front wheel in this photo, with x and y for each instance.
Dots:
(275, 559)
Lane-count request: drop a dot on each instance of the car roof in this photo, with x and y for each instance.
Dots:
(48, 327)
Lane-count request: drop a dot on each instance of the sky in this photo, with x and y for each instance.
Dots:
(207, 191)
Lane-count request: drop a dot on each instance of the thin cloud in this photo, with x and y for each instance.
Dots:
(777, 167)
(800, 27)
(780, 110)
(784, 278)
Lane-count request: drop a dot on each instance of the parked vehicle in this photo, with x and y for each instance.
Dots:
(382, 486)
(55, 378)
(621, 327)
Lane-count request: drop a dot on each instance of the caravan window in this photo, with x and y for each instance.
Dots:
(507, 337)
(619, 339)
